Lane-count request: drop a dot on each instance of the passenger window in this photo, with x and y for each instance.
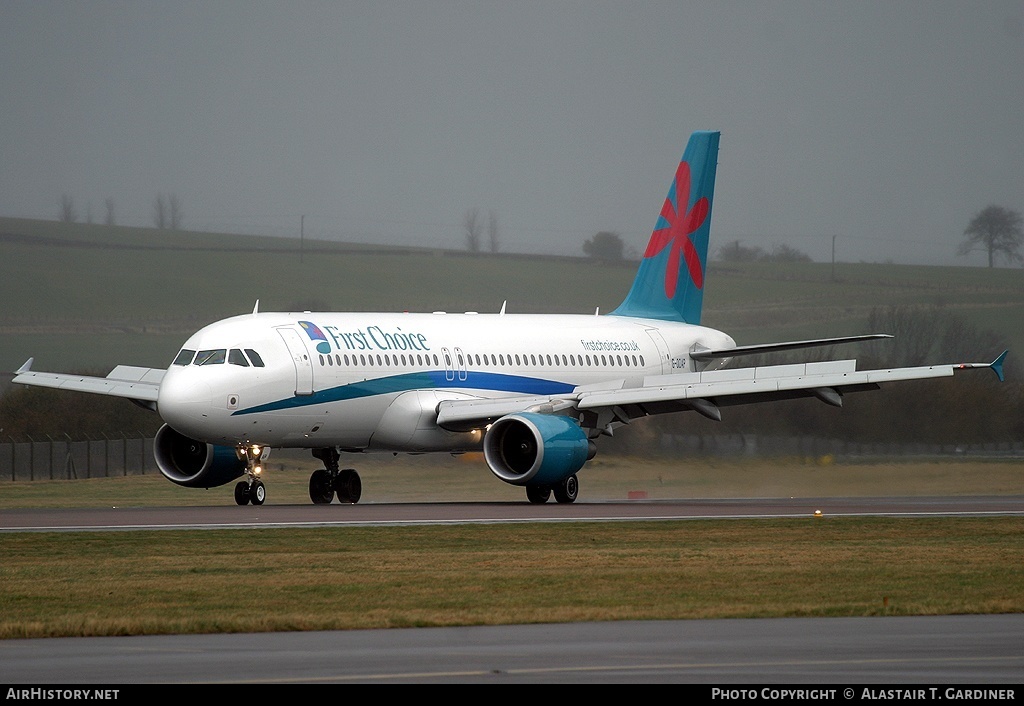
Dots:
(184, 357)
(212, 357)
(257, 362)
(235, 357)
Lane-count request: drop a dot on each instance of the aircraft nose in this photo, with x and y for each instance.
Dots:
(184, 402)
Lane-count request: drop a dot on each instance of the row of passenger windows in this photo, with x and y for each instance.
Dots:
(217, 356)
(481, 360)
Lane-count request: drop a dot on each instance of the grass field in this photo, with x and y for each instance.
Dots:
(127, 583)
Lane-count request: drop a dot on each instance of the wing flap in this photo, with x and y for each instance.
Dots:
(764, 381)
(461, 415)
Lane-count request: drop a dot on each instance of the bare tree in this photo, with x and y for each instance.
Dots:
(737, 252)
(997, 231)
(110, 220)
(472, 224)
(160, 212)
(175, 212)
(68, 214)
(492, 232)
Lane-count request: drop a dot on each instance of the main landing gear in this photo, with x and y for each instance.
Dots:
(252, 489)
(565, 491)
(329, 481)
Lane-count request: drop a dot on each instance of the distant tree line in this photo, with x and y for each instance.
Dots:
(737, 252)
(167, 212)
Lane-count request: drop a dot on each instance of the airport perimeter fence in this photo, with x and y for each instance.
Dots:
(67, 459)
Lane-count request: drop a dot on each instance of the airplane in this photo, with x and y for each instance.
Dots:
(534, 392)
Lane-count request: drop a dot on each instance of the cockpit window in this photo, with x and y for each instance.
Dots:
(214, 357)
(235, 357)
(184, 357)
(254, 357)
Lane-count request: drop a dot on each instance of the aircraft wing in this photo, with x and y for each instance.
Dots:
(139, 384)
(704, 392)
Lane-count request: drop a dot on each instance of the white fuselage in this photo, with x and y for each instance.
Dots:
(372, 381)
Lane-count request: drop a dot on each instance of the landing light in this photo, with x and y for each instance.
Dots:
(256, 451)
(257, 470)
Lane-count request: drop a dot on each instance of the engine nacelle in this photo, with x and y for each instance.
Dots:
(536, 449)
(195, 464)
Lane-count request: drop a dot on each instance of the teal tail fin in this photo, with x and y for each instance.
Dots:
(670, 282)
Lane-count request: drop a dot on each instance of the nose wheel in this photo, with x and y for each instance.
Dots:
(252, 489)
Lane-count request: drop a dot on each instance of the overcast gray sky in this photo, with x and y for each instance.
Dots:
(887, 124)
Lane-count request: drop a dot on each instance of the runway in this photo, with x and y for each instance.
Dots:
(385, 514)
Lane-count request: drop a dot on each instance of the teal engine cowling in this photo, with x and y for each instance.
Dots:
(536, 449)
(194, 464)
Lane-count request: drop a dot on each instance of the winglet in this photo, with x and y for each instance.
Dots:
(26, 367)
(996, 366)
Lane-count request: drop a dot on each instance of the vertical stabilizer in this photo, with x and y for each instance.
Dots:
(670, 282)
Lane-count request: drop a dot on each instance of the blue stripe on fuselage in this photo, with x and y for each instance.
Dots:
(431, 379)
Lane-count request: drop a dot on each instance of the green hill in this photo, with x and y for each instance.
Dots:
(80, 296)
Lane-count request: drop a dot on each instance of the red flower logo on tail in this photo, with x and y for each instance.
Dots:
(675, 229)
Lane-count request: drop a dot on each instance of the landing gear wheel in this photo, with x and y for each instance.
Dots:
(538, 494)
(567, 490)
(257, 493)
(321, 491)
(348, 486)
(242, 493)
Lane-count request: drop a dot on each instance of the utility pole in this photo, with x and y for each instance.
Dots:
(833, 258)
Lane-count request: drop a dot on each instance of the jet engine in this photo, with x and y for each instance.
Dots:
(195, 464)
(536, 449)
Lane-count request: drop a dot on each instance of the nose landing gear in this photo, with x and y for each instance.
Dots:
(252, 489)
(330, 480)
